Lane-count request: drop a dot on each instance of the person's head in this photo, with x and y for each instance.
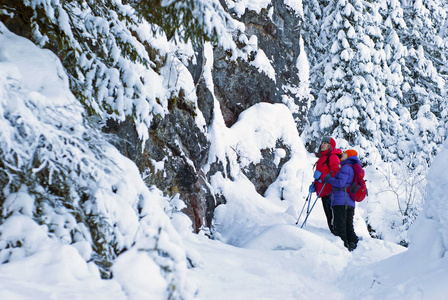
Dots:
(327, 143)
(348, 153)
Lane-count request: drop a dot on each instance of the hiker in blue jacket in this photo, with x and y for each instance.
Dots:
(342, 204)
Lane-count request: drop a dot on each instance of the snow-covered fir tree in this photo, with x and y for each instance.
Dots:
(314, 40)
(401, 126)
(383, 90)
(111, 49)
(405, 73)
(424, 86)
(62, 183)
(353, 104)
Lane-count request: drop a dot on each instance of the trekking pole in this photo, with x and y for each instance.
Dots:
(309, 212)
(304, 204)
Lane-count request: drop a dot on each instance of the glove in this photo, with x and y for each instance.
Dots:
(327, 177)
(317, 174)
(312, 188)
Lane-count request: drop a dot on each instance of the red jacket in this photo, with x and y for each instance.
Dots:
(331, 168)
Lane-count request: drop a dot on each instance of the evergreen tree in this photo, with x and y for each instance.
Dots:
(381, 73)
(353, 103)
(424, 86)
(185, 20)
(392, 24)
(314, 40)
(401, 126)
(444, 71)
(110, 49)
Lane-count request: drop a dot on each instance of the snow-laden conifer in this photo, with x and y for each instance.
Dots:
(314, 40)
(424, 86)
(353, 104)
(116, 54)
(62, 183)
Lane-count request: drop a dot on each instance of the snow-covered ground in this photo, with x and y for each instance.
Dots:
(258, 252)
(289, 263)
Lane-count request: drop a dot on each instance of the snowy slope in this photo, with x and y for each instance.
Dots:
(422, 271)
(262, 254)
(314, 268)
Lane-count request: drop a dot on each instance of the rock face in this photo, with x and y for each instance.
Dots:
(176, 152)
(266, 172)
(239, 86)
(171, 158)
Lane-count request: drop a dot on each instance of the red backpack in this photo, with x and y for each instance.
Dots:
(357, 189)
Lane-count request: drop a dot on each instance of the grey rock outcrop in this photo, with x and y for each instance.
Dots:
(182, 147)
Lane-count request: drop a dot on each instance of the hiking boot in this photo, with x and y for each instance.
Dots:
(351, 246)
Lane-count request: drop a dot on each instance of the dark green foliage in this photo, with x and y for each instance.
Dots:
(182, 19)
(97, 44)
(62, 190)
(105, 51)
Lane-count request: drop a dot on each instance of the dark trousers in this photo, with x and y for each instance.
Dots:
(326, 203)
(343, 223)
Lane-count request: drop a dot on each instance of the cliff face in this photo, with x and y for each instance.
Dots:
(240, 86)
(174, 156)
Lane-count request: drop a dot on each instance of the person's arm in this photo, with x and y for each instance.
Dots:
(341, 179)
(334, 164)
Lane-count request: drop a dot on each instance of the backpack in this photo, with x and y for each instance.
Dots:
(327, 161)
(357, 189)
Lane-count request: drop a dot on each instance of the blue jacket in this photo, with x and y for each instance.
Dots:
(342, 179)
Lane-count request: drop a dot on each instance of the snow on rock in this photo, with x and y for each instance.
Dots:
(259, 127)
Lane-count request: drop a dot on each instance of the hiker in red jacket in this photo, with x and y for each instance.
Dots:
(328, 163)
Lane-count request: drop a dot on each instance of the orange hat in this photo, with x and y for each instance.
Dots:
(351, 152)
